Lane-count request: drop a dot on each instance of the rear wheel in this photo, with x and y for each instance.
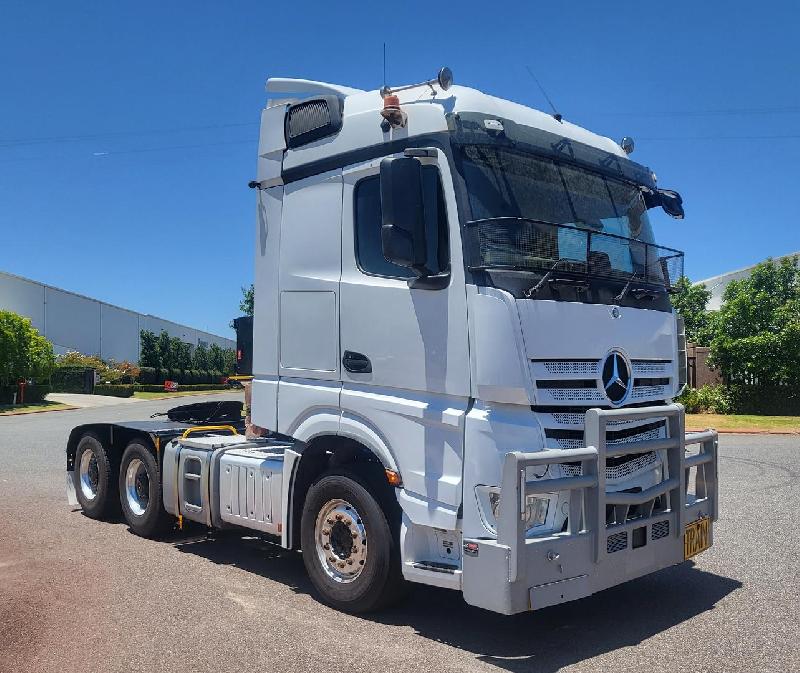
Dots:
(140, 492)
(95, 482)
(349, 549)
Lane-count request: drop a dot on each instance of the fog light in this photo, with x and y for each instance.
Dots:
(536, 508)
(536, 511)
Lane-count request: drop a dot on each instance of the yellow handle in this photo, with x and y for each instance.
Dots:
(203, 428)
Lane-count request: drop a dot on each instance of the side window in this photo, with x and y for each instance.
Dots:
(369, 254)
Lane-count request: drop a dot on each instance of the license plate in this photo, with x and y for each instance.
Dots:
(696, 538)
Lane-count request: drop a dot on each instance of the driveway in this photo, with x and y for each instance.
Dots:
(81, 595)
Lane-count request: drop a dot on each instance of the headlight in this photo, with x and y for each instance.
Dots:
(536, 507)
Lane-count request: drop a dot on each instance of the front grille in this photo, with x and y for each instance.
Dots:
(651, 367)
(647, 392)
(570, 367)
(620, 471)
(617, 542)
(576, 395)
(659, 529)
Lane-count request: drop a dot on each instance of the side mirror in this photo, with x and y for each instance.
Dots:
(669, 200)
(671, 203)
(403, 214)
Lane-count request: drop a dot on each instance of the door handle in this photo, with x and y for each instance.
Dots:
(357, 363)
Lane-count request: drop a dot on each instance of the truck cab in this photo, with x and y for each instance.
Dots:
(463, 340)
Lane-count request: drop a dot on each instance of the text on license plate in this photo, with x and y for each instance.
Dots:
(696, 538)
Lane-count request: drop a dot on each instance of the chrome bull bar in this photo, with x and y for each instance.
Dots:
(587, 513)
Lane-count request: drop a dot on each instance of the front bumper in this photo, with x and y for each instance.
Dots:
(513, 574)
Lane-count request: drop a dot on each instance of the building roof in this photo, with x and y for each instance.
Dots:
(717, 284)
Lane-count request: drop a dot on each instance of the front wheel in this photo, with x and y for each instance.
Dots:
(140, 492)
(349, 550)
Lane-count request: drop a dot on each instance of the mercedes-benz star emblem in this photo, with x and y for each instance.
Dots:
(616, 377)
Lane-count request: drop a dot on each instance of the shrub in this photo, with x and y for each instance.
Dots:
(216, 376)
(147, 375)
(24, 353)
(33, 393)
(160, 389)
(114, 390)
(69, 380)
(708, 399)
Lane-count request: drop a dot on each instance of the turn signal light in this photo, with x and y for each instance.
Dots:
(393, 478)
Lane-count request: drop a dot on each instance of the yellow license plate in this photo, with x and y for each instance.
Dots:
(697, 537)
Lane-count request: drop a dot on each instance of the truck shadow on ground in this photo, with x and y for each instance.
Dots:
(546, 640)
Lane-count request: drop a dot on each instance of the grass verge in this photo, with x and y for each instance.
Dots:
(35, 408)
(743, 423)
(180, 393)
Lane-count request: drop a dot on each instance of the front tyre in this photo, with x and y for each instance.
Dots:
(94, 479)
(140, 492)
(349, 550)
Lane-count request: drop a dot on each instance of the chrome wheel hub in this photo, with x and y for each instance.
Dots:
(89, 475)
(137, 487)
(341, 540)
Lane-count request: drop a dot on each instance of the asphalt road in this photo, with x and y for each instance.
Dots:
(78, 595)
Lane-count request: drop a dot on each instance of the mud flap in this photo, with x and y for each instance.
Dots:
(72, 498)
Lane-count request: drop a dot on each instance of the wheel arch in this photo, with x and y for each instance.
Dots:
(325, 452)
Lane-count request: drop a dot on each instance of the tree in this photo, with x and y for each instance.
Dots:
(200, 357)
(758, 334)
(148, 349)
(691, 301)
(216, 359)
(24, 353)
(164, 350)
(247, 305)
(229, 356)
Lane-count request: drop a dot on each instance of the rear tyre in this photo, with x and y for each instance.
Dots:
(349, 549)
(94, 478)
(140, 492)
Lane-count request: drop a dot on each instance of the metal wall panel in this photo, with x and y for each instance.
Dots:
(74, 322)
(119, 335)
(24, 297)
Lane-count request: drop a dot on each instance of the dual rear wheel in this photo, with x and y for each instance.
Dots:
(135, 488)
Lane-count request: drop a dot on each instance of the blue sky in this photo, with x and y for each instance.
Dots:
(128, 131)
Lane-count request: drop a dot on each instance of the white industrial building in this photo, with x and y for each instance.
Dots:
(75, 322)
(717, 284)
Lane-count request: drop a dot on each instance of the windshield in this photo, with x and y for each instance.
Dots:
(531, 213)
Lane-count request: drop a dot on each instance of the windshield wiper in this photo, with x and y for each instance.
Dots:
(639, 292)
(530, 293)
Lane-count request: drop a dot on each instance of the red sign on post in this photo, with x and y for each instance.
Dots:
(170, 386)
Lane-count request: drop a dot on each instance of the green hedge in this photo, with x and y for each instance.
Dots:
(160, 389)
(68, 379)
(156, 376)
(114, 390)
(765, 400)
(33, 393)
(743, 399)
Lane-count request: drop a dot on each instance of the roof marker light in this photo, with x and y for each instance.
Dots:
(627, 144)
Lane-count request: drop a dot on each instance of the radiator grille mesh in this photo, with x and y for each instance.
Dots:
(659, 529)
(617, 542)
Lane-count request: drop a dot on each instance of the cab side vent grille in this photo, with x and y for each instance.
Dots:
(311, 120)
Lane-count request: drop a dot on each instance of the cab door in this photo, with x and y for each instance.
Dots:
(405, 358)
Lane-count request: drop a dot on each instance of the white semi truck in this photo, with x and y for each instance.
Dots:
(464, 352)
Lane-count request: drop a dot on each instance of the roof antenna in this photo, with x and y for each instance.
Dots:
(556, 115)
(384, 65)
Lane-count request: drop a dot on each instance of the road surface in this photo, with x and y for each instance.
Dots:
(80, 596)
